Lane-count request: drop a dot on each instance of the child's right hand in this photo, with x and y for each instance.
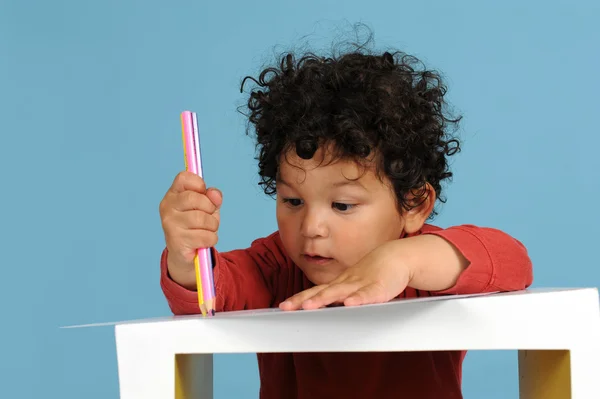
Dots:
(189, 214)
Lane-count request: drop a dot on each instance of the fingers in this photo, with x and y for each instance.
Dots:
(192, 200)
(189, 210)
(190, 220)
(333, 293)
(295, 302)
(215, 196)
(196, 220)
(372, 293)
(185, 181)
(347, 292)
(186, 210)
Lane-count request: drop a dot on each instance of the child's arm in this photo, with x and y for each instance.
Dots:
(458, 260)
(470, 260)
(244, 279)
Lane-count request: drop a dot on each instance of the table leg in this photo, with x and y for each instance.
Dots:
(544, 374)
(194, 376)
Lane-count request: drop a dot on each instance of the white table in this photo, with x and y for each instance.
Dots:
(556, 331)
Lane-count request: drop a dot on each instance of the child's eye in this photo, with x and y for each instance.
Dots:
(342, 207)
(293, 201)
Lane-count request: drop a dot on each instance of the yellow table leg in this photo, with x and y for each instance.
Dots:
(544, 374)
(193, 376)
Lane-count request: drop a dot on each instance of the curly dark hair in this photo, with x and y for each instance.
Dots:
(359, 102)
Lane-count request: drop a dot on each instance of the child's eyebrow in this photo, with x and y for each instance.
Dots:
(348, 183)
(341, 183)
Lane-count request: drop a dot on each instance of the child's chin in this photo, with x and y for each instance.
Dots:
(319, 278)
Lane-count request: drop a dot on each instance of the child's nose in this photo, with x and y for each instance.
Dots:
(313, 225)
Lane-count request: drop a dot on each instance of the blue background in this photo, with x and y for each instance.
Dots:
(90, 96)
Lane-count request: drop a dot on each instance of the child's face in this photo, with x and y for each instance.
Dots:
(327, 221)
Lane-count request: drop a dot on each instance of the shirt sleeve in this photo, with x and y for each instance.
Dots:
(244, 278)
(497, 261)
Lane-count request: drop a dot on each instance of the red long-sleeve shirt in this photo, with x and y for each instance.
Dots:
(263, 275)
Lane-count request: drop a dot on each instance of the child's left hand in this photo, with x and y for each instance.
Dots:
(379, 277)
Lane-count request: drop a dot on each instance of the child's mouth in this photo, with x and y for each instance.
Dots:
(316, 259)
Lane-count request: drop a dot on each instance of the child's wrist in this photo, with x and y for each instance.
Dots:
(180, 273)
(403, 254)
(433, 262)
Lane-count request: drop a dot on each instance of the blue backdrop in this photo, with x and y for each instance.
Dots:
(90, 96)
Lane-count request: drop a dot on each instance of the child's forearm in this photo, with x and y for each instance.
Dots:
(435, 264)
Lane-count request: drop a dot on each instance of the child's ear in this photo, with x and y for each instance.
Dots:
(424, 201)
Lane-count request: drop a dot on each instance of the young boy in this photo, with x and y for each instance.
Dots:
(355, 148)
